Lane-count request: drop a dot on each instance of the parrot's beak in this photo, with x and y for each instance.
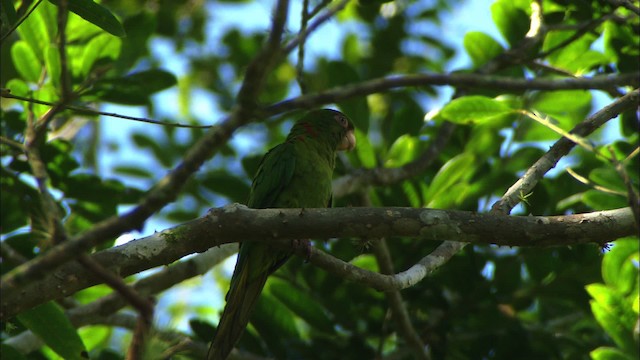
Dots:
(348, 141)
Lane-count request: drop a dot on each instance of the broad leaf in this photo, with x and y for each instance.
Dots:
(95, 14)
(49, 322)
(474, 109)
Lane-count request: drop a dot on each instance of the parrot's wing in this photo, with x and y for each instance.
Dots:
(274, 174)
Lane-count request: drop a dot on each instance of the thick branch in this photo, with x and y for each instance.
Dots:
(278, 226)
(93, 312)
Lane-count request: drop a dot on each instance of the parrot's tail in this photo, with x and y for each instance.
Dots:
(241, 300)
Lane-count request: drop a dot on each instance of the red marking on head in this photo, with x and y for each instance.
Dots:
(310, 129)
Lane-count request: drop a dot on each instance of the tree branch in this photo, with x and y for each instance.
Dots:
(167, 189)
(315, 24)
(561, 148)
(279, 226)
(507, 84)
(5, 93)
(399, 311)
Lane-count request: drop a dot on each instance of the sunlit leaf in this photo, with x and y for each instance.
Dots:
(619, 266)
(474, 109)
(100, 47)
(51, 325)
(455, 170)
(95, 14)
(481, 47)
(26, 62)
(511, 19)
(52, 63)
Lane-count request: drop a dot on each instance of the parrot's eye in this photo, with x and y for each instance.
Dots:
(342, 121)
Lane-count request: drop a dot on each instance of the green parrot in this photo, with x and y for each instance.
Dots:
(294, 174)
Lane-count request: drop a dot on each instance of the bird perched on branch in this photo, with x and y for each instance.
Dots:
(294, 174)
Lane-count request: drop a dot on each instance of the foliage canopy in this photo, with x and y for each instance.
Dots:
(556, 64)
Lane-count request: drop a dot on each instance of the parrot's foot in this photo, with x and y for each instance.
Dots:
(305, 245)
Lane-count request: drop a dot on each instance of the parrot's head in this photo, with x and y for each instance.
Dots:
(327, 125)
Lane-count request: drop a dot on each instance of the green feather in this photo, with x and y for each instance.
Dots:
(294, 174)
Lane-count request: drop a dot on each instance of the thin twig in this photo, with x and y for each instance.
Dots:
(303, 30)
(318, 8)
(561, 148)
(626, 4)
(580, 32)
(632, 195)
(10, 255)
(20, 21)
(89, 111)
(314, 25)
(399, 311)
(143, 306)
(588, 182)
(14, 144)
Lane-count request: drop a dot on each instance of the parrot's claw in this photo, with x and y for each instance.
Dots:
(305, 244)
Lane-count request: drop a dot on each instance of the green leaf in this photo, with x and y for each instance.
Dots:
(576, 57)
(202, 329)
(404, 117)
(94, 336)
(621, 44)
(38, 28)
(8, 352)
(95, 14)
(275, 323)
(366, 261)
(226, 184)
(474, 109)
(609, 178)
(608, 353)
(341, 73)
(100, 47)
(573, 105)
(139, 29)
(612, 324)
(49, 322)
(365, 151)
(26, 61)
(619, 266)
(512, 21)
(481, 47)
(403, 150)
(455, 170)
(134, 89)
(52, 63)
(603, 201)
(18, 87)
(485, 140)
(412, 194)
(522, 159)
(10, 11)
(303, 305)
(629, 122)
